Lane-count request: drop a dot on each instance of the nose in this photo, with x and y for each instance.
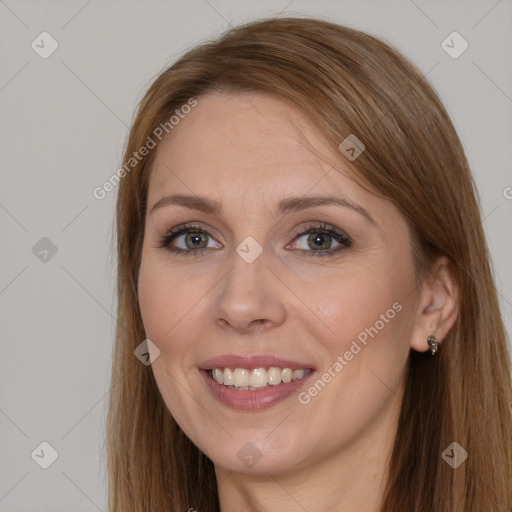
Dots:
(250, 297)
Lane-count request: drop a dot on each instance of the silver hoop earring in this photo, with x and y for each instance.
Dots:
(433, 343)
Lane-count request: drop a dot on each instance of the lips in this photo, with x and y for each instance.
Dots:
(253, 361)
(249, 398)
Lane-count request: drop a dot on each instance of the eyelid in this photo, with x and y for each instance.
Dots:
(177, 231)
(322, 227)
(343, 239)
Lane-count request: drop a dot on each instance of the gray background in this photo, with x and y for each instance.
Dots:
(64, 124)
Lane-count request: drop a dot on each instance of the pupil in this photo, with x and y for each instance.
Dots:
(319, 240)
(196, 239)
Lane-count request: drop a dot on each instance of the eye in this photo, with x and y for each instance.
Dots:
(188, 240)
(318, 240)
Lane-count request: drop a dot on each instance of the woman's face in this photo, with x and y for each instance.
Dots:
(260, 278)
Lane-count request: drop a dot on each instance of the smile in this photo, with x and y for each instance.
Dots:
(243, 379)
(253, 382)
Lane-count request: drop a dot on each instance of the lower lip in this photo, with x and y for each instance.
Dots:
(253, 400)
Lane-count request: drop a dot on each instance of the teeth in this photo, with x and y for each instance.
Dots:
(298, 374)
(218, 375)
(274, 375)
(257, 378)
(241, 378)
(228, 378)
(287, 375)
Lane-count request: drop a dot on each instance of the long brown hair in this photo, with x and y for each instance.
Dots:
(346, 82)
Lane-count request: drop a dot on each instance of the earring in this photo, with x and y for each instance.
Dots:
(433, 343)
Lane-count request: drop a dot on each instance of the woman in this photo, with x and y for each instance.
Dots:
(304, 274)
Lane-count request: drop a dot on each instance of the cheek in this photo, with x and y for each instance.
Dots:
(365, 350)
(171, 305)
(160, 308)
(165, 316)
(154, 302)
(365, 317)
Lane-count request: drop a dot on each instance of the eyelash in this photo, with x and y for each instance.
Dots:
(344, 240)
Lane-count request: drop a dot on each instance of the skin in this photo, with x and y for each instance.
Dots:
(244, 151)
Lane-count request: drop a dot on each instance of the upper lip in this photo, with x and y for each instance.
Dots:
(252, 361)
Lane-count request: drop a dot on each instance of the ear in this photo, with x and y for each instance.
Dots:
(437, 307)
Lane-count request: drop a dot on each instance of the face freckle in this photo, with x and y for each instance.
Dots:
(243, 153)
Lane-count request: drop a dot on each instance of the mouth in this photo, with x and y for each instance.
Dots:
(253, 382)
(243, 379)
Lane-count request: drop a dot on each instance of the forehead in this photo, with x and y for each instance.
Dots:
(249, 142)
(249, 153)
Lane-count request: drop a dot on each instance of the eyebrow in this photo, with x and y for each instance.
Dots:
(287, 205)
